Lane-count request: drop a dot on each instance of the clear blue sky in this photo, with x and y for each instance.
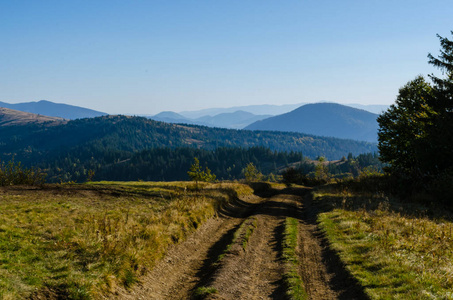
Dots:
(143, 57)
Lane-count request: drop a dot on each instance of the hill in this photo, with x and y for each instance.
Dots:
(10, 117)
(77, 146)
(52, 109)
(324, 119)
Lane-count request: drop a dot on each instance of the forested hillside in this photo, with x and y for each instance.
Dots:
(103, 142)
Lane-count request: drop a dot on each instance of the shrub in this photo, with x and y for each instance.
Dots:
(12, 173)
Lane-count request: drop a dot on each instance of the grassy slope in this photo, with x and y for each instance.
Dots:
(80, 241)
(396, 250)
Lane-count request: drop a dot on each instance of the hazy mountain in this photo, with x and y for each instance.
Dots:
(324, 119)
(237, 120)
(10, 117)
(171, 117)
(52, 109)
(234, 120)
(265, 109)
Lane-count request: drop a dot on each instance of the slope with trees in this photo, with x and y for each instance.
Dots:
(98, 143)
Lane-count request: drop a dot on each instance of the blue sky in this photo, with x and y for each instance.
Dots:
(143, 57)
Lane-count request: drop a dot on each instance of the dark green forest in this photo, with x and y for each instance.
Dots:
(112, 145)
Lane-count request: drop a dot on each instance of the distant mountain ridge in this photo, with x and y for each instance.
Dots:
(51, 109)
(264, 109)
(234, 120)
(274, 110)
(324, 119)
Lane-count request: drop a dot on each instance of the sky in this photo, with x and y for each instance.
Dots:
(144, 57)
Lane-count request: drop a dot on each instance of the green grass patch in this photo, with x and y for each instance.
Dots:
(202, 292)
(395, 250)
(82, 241)
(294, 282)
(240, 237)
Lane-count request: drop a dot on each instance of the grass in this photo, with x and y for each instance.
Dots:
(82, 241)
(396, 250)
(240, 237)
(294, 282)
(203, 292)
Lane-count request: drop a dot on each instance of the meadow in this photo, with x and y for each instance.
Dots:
(395, 249)
(81, 241)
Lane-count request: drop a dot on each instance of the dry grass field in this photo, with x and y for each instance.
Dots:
(81, 241)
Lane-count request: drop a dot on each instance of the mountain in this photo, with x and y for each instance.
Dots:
(10, 117)
(69, 150)
(52, 109)
(265, 109)
(324, 119)
(236, 120)
(171, 117)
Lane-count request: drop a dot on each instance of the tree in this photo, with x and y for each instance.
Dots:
(197, 174)
(402, 128)
(440, 131)
(415, 133)
(251, 173)
(321, 170)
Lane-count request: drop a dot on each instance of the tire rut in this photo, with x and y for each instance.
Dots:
(324, 274)
(257, 271)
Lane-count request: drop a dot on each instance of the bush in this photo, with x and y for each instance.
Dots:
(12, 173)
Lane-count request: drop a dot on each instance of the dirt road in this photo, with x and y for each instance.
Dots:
(216, 263)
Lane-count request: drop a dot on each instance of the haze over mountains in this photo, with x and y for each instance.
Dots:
(269, 109)
(234, 120)
(321, 119)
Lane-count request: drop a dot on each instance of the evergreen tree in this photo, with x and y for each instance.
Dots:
(415, 134)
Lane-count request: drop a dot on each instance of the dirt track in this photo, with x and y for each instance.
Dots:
(255, 272)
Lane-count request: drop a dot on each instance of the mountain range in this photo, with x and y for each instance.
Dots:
(69, 149)
(321, 119)
(234, 120)
(268, 109)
